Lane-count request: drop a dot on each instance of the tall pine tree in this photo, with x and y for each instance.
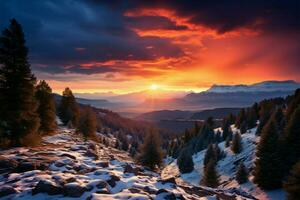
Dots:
(151, 153)
(185, 161)
(46, 108)
(241, 175)
(19, 119)
(88, 123)
(68, 108)
(292, 185)
(236, 145)
(210, 175)
(292, 139)
(268, 171)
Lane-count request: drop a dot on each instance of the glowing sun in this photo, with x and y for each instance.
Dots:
(154, 87)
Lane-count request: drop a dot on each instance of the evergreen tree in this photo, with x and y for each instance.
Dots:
(68, 108)
(236, 145)
(268, 171)
(185, 161)
(292, 139)
(210, 154)
(241, 118)
(87, 123)
(292, 186)
(218, 152)
(243, 127)
(46, 108)
(226, 128)
(241, 175)
(151, 153)
(252, 117)
(125, 144)
(18, 106)
(293, 104)
(265, 113)
(210, 175)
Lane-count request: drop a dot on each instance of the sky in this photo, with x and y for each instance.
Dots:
(130, 45)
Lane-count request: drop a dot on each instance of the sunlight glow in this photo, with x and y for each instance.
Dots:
(153, 87)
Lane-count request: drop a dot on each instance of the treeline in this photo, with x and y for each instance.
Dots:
(28, 109)
(278, 151)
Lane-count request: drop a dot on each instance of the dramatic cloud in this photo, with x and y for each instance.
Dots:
(176, 43)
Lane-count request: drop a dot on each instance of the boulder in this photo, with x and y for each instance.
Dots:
(73, 189)
(27, 166)
(59, 164)
(129, 169)
(46, 186)
(168, 180)
(69, 156)
(7, 165)
(101, 184)
(91, 153)
(113, 179)
(7, 190)
(135, 190)
(149, 190)
(167, 195)
(103, 164)
(70, 180)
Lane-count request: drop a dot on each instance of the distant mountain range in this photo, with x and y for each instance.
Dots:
(217, 96)
(266, 86)
(217, 113)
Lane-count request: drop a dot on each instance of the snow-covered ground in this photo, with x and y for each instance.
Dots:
(67, 167)
(227, 168)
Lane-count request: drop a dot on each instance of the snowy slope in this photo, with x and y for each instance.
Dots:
(226, 168)
(67, 167)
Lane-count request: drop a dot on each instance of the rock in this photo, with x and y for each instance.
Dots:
(91, 153)
(93, 146)
(59, 164)
(149, 190)
(69, 156)
(129, 169)
(7, 190)
(103, 191)
(45, 186)
(27, 166)
(135, 190)
(113, 179)
(73, 190)
(111, 157)
(70, 180)
(168, 180)
(101, 184)
(168, 195)
(7, 164)
(103, 164)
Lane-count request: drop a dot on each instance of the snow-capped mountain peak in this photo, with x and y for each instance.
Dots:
(265, 86)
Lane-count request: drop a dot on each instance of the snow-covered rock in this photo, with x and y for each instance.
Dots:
(68, 172)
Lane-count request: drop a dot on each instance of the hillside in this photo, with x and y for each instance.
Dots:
(67, 167)
(226, 168)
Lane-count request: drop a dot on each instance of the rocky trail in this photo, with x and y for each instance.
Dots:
(67, 167)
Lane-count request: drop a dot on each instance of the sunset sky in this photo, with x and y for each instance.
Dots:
(125, 46)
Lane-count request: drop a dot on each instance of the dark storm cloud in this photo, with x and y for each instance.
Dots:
(73, 32)
(226, 15)
(64, 34)
(152, 23)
